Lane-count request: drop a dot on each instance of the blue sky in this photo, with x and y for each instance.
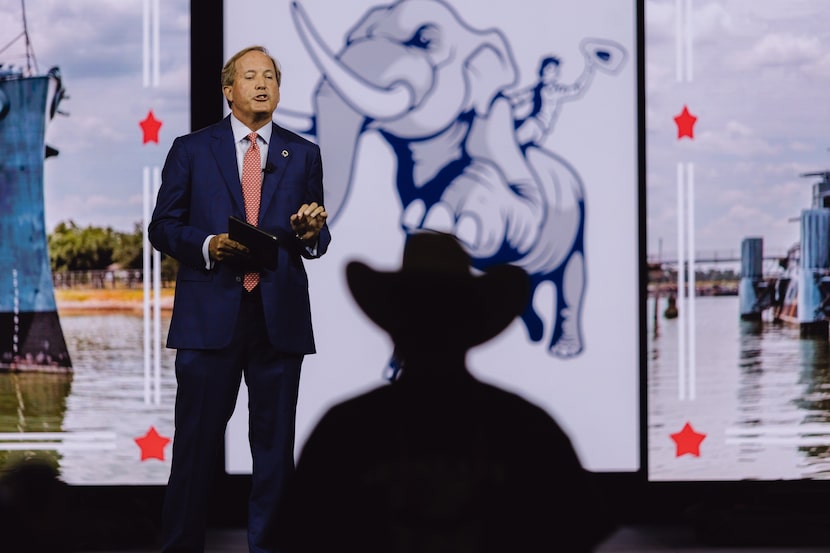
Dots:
(98, 45)
(761, 71)
(759, 89)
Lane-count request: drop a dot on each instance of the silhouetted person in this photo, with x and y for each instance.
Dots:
(41, 513)
(437, 460)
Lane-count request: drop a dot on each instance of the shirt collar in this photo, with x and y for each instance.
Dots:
(240, 130)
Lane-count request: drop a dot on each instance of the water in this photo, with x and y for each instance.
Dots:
(758, 391)
(761, 396)
(101, 406)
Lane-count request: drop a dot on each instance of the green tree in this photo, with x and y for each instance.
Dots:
(128, 248)
(72, 248)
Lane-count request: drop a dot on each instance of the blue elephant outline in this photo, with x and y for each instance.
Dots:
(463, 165)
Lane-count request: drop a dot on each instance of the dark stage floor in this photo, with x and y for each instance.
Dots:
(658, 539)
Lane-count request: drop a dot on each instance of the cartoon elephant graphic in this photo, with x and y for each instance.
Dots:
(435, 89)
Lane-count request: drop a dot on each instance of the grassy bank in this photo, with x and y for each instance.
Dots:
(119, 299)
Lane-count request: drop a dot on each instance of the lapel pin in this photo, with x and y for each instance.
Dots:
(285, 153)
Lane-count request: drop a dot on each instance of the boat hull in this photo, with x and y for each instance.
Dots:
(31, 337)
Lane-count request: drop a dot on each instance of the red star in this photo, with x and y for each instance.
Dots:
(151, 127)
(685, 124)
(687, 441)
(152, 445)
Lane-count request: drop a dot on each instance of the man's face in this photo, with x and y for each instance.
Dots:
(550, 73)
(254, 93)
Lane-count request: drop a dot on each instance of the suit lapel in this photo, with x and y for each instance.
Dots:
(279, 156)
(224, 151)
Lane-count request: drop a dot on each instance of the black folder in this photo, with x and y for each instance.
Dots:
(263, 245)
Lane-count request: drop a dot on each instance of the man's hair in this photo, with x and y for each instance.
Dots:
(229, 70)
(550, 60)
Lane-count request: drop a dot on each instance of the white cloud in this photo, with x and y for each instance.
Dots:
(711, 21)
(659, 21)
(735, 139)
(98, 45)
(761, 75)
(780, 49)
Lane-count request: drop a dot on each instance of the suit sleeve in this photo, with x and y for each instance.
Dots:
(169, 230)
(314, 193)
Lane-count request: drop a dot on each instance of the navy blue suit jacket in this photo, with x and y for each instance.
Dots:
(200, 188)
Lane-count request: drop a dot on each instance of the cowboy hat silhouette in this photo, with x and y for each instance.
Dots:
(439, 460)
(434, 300)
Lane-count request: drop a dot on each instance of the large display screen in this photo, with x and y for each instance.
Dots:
(737, 169)
(85, 383)
(539, 102)
(542, 101)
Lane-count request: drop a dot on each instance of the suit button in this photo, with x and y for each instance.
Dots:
(238, 279)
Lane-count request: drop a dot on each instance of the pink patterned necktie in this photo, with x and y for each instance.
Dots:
(251, 192)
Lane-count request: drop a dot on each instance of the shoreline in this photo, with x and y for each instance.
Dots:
(77, 301)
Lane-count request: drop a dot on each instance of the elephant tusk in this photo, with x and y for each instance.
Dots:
(373, 101)
(301, 123)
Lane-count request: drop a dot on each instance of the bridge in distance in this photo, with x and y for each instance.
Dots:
(656, 261)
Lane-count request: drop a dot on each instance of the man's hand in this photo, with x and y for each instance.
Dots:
(308, 221)
(222, 248)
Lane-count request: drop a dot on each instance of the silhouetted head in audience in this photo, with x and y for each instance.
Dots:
(439, 460)
(434, 308)
(39, 512)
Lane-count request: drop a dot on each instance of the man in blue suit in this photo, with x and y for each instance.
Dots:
(232, 317)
